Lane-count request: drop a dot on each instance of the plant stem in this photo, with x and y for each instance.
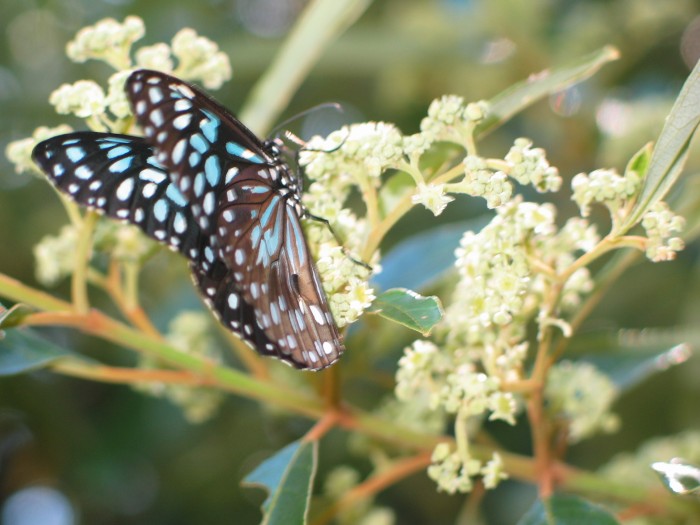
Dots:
(96, 323)
(320, 23)
(82, 262)
(400, 470)
(19, 292)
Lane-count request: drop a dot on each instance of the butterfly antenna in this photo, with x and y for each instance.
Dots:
(331, 105)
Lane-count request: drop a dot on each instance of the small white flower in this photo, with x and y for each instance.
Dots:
(475, 112)
(493, 472)
(432, 196)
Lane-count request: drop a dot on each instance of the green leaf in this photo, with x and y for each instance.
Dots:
(408, 308)
(671, 150)
(288, 478)
(566, 510)
(14, 316)
(406, 264)
(630, 359)
(680, 478)
(639, 163)
(23, 350)
(523, 94)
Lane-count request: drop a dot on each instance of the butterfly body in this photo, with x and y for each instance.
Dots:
(200, 182)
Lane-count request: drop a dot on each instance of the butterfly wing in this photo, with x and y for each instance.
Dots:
(265, 247)
(238, 189)
(200, 143)
(119, 176)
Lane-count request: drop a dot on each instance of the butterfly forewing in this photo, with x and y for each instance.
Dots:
(119, 176)
(200, 143)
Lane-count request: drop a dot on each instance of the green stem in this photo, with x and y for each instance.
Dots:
(82, 262)
(97, 324)
(320, 23)
(400, 209)
(604, 246)
(19, 292)
(131, 285)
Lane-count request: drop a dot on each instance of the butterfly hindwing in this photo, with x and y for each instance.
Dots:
(271, 263)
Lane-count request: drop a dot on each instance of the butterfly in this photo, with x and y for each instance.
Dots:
(203, 184)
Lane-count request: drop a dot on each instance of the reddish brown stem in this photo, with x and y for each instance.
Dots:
(376, 483)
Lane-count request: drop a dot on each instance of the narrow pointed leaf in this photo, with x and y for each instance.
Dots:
(671, 150)
(14, 316)
(408, 308)
(23, 350)
(566, 510)
(633, 358)
(523, 94)
(288, 478)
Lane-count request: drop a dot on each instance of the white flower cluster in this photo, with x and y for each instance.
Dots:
(449, 119)
(525, 164)
(107, 40)
(54, 256)
(582, 396)
(84, 99)
(123, 242)
(190, 332)
(427, 375)
(660, 223)
(353, 156)
(453, 473)
(19, 152)
(606, 187)
(479, 181)
(198, 59)
(345, 281)
(354, 152)
(530, 166)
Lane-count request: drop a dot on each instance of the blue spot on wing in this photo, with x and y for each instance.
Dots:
(212, 168)
(121, 165)
(239, 151)
(210, 128)
(118, 151)
(174, 194)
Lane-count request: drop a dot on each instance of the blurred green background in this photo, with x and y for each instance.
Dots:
(117, 456)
